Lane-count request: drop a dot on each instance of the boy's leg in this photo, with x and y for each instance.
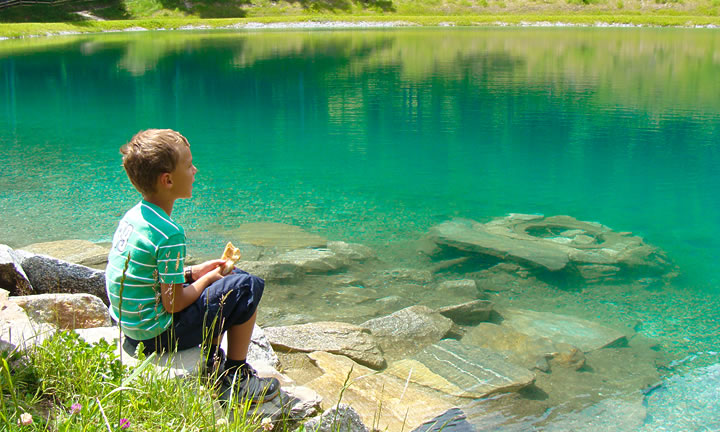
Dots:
(239, 339)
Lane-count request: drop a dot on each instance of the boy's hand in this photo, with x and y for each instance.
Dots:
(200, 270)
(214, 274)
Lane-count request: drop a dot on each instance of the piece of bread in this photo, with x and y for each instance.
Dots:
(231, 255)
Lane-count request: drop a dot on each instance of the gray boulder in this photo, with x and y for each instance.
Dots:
(408, 330)
(66, 311)
(352, 341)
(81, 252)
(462, 287)
(340, 418)
(12, 276)
(51, 275)
(452, 420)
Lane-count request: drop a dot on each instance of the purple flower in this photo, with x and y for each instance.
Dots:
(124, 423)
(75, 408)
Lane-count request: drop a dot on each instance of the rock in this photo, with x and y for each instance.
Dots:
(611, 415)
(381, 400)
(586, 335)
(50, 275)
(23, 334)
(351, 251)
(12, 276)
(312, 260)
(452, 420)
(350, 295)
(521, 349)
(281, 236)
(293, 403)
(80, 252)
(260, 349)
(340, 418)
(469, 313)
(408, 330)
(16, 328)
(65, 311)
(270, 270)
(597, 272)
(462, 370)
(463, 287)
(186, 362)
(471, 236)
(685, 402)
(554, 243)
(404, 275)
(334, 337)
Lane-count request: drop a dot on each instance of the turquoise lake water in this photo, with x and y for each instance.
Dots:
(375, 136)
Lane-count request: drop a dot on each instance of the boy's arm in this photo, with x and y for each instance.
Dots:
(176, 297)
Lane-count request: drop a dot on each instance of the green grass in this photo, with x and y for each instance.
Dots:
(18, 21)
(66, 384)
(14, 30)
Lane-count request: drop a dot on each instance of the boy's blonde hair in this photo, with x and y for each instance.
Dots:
(149, 154)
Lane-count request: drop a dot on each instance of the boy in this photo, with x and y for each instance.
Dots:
(154, 297)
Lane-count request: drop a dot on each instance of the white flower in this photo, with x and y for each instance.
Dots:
(221, 422)
(25, 419)
(267, 424)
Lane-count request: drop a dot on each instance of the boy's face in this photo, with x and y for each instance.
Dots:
(184, 174)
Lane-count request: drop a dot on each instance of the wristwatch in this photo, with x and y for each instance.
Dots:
(188, 275)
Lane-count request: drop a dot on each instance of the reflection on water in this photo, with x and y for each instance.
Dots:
(375, 136)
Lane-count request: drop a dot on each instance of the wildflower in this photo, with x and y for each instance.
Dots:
(124, 423)
(75, 408)
(267, 424)
(221, 422)
(25, 419)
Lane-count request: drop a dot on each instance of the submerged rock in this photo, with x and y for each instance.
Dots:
(81, 252)
(469, 313)
(340, 338)
(586, 335)
(522, 349)
(462, 370)
(408, 330)
(278, 235)
(558, 243)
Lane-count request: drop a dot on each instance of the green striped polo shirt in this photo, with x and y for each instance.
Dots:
(153, 248)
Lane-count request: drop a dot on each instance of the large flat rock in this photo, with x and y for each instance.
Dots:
(281, 236)
(340, 338)
(472, 236)
(586, 335)
(380, 399)
(81, 252)
(462, 370)
(66, 311)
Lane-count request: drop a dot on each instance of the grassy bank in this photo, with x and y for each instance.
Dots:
(14, 30)
(82, 16)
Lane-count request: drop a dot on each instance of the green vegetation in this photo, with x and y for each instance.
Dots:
(104, 15)
(66, 384)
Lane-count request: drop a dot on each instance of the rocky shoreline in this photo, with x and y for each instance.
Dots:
(436, 340)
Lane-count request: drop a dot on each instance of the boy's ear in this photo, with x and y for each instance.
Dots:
(164, 180)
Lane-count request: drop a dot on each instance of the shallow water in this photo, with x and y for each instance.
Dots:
(375, 136)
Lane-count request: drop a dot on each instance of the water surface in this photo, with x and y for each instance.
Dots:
(375, 136)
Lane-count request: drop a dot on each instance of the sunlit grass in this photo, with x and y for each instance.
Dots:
(66, 384)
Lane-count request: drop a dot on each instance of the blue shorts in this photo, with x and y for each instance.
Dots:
(227, 302)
